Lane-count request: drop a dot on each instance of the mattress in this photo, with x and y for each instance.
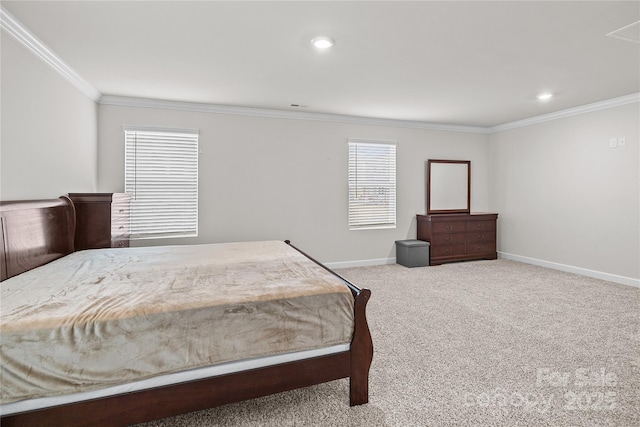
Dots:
(171, 379)
(99, 318)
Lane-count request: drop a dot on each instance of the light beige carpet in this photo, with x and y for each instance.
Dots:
(485, 343)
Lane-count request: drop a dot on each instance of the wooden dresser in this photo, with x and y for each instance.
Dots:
(459, 237)
(101, 220)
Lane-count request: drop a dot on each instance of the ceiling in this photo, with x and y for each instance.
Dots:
(471, 63)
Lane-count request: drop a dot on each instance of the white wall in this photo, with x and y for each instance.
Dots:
(267, 178)
(565, 197)
(49, 130)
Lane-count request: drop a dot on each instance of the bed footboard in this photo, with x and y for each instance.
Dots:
(361, 354)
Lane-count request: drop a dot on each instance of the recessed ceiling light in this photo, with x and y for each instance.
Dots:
(545, 96)
(322, 42)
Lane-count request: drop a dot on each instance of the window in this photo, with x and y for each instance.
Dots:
(161, 176)
(372, 184)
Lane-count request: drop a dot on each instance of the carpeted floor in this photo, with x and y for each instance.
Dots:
(485, 343)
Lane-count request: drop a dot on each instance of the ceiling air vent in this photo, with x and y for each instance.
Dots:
(630, 33)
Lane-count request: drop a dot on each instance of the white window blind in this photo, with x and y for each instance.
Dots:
(161, 176)
(372, 184)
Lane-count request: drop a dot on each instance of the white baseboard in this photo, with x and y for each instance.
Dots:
(360, 263)
(548, 264)
(572, 269)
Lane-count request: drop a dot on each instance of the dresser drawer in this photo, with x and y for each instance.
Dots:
(443, 251)
(481, 226)
(459, 236)
(449, 227)
(120, 230)
(447, 239)
(117, 242)
(478, 248)
(482, 236)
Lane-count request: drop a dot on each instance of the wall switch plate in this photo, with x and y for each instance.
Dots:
(622, 141)
(613, 142)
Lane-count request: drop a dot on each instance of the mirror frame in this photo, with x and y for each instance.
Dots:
(467, 209)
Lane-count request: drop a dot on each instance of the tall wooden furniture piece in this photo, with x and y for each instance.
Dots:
(459, 237)
(99, 223)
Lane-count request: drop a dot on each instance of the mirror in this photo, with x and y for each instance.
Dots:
(448, 186)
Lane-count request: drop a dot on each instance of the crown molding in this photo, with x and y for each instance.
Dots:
(125, 101)
(21, 33)
(588, 108)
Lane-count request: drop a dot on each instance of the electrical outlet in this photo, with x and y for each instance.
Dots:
(613, 142)
(622, 141)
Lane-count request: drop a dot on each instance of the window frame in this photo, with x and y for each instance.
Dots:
(354, 209)
(184, 220)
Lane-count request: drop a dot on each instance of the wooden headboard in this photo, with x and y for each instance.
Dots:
(35, 232)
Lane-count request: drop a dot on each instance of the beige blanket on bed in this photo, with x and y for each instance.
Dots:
(109, 316)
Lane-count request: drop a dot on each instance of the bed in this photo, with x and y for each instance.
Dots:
(220, 300)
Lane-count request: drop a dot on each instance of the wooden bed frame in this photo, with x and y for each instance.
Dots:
(37, 232)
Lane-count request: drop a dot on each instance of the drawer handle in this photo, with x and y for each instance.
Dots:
(448, 239)
(480, 225)
(481, 237)
(449, 251)
(449, 227)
